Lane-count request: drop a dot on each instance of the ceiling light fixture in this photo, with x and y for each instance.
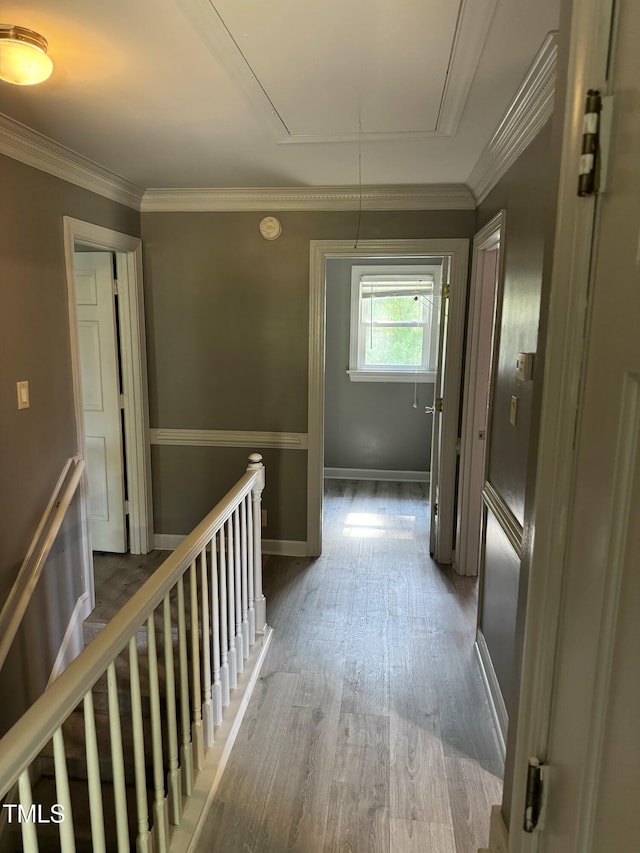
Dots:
(23, 56)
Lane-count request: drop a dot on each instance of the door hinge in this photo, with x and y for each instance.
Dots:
(589, 149)
(535, 796)
(122, 401)
(604, 142)
(115, 287)
(438, 404)
(126, 507)
(445, 291)
(435, 508)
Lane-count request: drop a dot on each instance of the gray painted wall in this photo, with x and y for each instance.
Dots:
(368, 424)
(228, 327)
(528, 193)
(36, 442)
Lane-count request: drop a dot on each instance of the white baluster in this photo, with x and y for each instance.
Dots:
(28, 827)
(185, 714)
(63, 795)
(231, 607)
(93, 777)
(173, 776)
(215, 615)
(245, 591)
(207, 707)
(238, 592)
(196, 725)
(255, 464)
(250, 572)
(160, 815)
(117, 762)
(143, 841)
(224, 629)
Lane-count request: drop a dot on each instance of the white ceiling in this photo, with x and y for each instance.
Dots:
(185, 93)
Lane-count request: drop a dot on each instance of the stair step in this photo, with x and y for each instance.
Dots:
(44, 793)
(74, 742)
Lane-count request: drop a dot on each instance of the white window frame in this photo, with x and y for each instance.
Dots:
(357, 372)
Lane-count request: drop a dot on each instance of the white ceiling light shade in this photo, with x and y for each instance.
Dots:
(23, 56)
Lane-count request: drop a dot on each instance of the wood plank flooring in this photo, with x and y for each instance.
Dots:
(369, 729)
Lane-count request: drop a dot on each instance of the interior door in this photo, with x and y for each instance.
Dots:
(438, 531)
(595, 737)
(98, 341)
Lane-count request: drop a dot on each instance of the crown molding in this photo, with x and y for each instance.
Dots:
(34, 149)
(408, 197)
(525, 117)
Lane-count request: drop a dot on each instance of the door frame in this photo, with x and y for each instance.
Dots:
(321, 251)
(546, 531)
(132, 342)
(490, 237)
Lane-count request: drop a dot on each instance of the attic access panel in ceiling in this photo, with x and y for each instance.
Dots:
(328, 71)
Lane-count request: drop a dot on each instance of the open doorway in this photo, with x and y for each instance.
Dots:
(483, 306)
(453, 254)
(382, 325)
(106, 321)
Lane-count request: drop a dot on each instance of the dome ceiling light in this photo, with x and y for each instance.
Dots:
(23, 56)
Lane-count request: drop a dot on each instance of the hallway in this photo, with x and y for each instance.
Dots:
(368, 730)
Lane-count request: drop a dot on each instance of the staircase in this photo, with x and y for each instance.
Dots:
(128, 745)
(74, 735)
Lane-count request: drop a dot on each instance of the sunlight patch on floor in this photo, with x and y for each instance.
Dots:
(371, 525)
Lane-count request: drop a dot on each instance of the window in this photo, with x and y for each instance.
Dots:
(395, 313)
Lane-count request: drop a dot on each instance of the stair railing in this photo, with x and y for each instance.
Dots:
(43, 539)
(207, 601)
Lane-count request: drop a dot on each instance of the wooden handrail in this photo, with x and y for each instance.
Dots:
(20, 595)
(36, 727)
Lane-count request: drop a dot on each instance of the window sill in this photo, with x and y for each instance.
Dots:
(390, 376)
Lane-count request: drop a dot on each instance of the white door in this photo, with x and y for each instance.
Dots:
(439, 532)
(595, 737)
(98, 343)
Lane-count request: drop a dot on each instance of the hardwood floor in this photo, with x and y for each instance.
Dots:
(369, 729)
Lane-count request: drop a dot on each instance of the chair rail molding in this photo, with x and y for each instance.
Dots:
(34, 149)
(524, 118)
(229, 438)
(510, 525)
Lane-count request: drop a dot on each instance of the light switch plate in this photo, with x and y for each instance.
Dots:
(513, 414)
(524, 366)
(23, 394)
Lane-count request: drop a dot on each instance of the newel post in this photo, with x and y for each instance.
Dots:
(255, 464)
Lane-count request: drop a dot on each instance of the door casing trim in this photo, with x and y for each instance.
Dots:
(320, 252)
(128, 253)
(489, 238)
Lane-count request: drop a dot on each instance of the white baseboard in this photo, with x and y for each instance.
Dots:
(281, 547)
(284, 547)
(73, 640)
(376, 474)
(494, 694)
(167, 541)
